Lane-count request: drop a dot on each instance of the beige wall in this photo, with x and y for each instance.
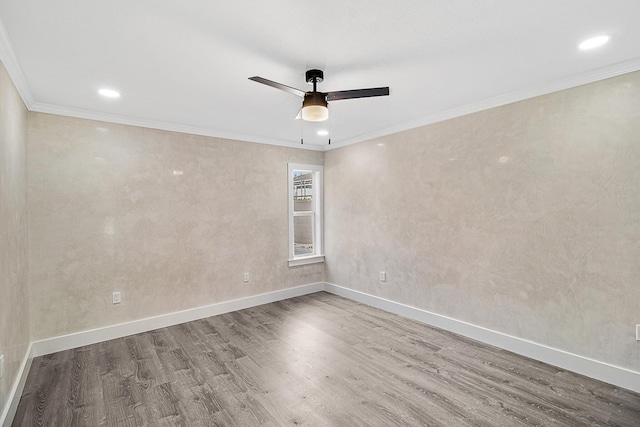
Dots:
(14, 298)
(523, 219)
(108, 213)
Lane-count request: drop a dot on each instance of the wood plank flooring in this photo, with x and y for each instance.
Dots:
(317, 360)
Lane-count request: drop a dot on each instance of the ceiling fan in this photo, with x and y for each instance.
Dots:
(315, 106)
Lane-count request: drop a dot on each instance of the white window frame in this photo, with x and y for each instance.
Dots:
(316, 213)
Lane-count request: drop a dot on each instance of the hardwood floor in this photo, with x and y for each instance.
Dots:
(315, 360)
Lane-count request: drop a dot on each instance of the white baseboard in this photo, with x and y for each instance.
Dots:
(79, 339)
(611, 374)
(13, 399)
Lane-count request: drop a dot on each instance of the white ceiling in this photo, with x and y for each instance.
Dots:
(184, 65)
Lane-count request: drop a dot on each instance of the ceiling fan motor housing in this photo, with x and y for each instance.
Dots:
(315, 98)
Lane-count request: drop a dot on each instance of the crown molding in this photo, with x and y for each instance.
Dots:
(12, 65)
(614, 70)
(160, 125)
(10, 61)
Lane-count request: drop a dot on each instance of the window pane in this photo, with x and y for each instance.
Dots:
(302, 191)
(303, 235)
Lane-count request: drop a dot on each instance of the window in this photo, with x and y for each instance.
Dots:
(305, 214)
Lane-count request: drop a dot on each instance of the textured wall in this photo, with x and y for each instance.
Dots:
(14, 298)
(108, 213)
(523, 219)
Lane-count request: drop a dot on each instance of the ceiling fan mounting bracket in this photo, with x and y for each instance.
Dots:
(314, 76)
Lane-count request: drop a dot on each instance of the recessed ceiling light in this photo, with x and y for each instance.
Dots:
(109, 93)
(323, 132)
(594, 42)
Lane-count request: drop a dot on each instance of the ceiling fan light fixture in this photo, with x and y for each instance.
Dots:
(315, 107)
(315, 113)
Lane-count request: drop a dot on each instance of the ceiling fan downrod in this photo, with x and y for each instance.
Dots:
(314, 77)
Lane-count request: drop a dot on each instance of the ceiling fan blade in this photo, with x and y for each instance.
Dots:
(280, 86)
(357, 93)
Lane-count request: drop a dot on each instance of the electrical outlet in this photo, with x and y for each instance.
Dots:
(637, 332)
(117, 297)
(383, 276)
(1, 365)
(245, 277)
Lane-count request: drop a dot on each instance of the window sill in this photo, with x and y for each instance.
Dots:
(306, 260)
